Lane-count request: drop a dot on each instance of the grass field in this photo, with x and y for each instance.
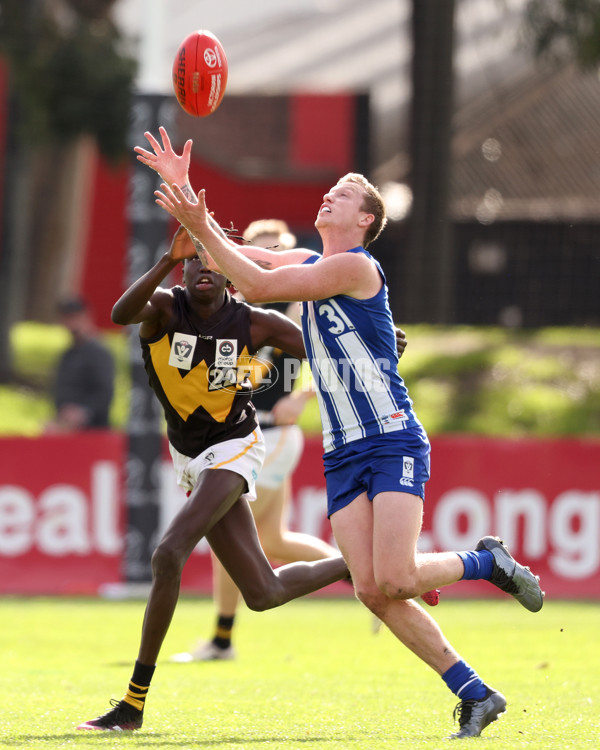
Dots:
(309, 675)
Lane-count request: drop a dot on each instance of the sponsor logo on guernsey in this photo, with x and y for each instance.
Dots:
(182, 351)
(226, 353)
(397, 416)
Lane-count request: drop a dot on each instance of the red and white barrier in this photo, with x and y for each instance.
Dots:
(62, 510)
(61, 513)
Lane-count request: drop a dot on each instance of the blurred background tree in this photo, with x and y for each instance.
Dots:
(565, 30)
(560, 30)
(71, 78)
(70, 81)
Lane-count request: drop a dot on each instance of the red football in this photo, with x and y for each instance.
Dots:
(200, 73)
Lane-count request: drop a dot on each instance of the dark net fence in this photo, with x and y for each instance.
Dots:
(512, 273)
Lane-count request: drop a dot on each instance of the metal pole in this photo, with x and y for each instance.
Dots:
(429, 284)
(148, 240)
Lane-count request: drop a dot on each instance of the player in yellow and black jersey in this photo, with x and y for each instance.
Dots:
(197, 343)
(197, 367)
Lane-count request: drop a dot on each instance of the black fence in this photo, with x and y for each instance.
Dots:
(513, 273)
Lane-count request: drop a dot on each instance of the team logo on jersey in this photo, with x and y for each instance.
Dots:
(408, 467)
(182, 351)
(226, 353)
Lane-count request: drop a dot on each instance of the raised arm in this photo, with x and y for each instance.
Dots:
(272, 328)
(346, 273)
(144, 302)
(173, 168)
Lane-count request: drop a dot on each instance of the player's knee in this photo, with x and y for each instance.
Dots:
(372, 598)
(263, 599)
(398, 587)
(166, 561)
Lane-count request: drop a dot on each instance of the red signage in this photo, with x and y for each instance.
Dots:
(62, 511)
(542, 497)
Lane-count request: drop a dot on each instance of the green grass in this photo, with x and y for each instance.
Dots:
(309, 675)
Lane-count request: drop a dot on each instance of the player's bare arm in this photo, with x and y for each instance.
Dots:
(345, 273)
(202, 227)
(350, 274)
(144, 302)
(174, 170)
(272, 328)
(270, 259)
(172, 167)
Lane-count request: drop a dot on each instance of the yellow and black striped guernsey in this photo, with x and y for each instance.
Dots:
(196, 368)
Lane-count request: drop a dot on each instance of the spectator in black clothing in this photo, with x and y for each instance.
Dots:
(84, 380)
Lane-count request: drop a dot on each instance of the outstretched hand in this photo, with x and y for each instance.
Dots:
(182, 246)
(175, 201)
(163, 159)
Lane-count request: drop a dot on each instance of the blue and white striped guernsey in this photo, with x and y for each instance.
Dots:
(351, 348)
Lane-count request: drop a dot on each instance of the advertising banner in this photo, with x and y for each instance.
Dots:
(542, 497)
(62, 511)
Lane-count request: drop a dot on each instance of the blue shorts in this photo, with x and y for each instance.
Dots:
(393, 462)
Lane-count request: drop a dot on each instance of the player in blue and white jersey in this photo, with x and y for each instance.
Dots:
(376, 450)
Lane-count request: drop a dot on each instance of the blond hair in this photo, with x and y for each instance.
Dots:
(276, 227)
(372, 204)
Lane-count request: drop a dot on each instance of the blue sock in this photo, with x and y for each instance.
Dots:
(464, 682)
(478, 565)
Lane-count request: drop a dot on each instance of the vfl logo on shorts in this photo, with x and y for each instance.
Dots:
(408, 471)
